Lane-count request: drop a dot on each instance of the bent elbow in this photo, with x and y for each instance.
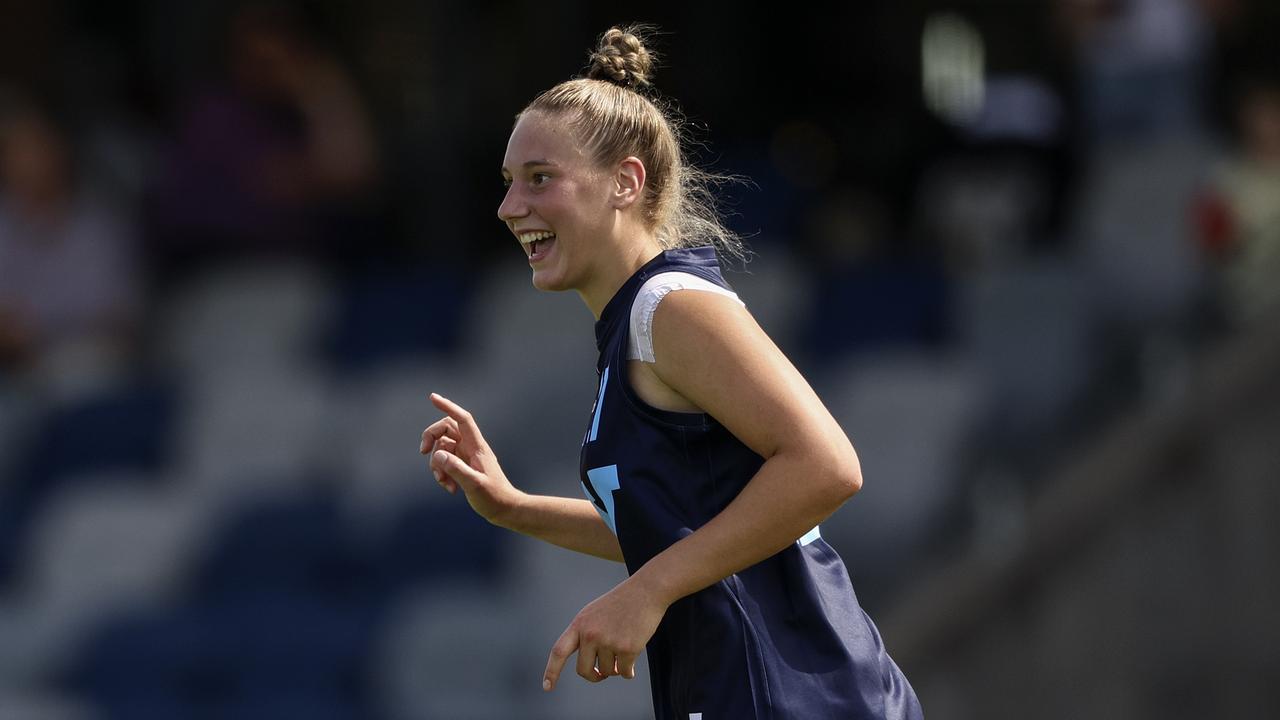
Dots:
(850, 479)
(850, 470)
(844, 476)
(854, 480)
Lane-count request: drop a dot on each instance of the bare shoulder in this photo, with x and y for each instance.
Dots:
(681, 342)
(711, 350)
(697, 316)
(696, 333)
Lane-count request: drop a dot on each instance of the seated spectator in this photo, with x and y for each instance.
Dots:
(68, 279)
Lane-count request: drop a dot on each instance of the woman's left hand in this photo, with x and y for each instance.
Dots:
(608, 634)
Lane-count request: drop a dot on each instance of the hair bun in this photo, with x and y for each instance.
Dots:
(622, 59)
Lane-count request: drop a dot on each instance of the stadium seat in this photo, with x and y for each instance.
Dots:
(98, 548)
(909, 415)
(260, 430)
(289, 543)
(127, 428)
(1031, 332)
(245, 317)
(376, 426)
(458, 652)
(388, 314)
(242, 655)
(438, 543)
(877, 307)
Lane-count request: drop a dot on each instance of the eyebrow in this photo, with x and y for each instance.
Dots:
(532, 163)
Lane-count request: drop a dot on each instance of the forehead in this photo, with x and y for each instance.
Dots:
(537, 137)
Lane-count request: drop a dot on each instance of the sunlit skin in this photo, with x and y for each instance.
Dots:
(708, 349)
(552, 185)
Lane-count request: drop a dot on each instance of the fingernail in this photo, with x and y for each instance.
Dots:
(546, 684)
(437, 474)
(441, 456)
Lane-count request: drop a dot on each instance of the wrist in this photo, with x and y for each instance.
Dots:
(657, 584)
(509, 512)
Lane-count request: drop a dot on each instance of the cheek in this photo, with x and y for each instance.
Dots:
(590, 206)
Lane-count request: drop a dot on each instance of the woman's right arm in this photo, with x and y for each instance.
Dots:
(460, 458)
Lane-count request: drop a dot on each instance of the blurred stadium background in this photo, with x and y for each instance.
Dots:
(1028, 252)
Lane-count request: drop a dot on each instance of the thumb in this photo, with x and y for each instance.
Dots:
(453, 466)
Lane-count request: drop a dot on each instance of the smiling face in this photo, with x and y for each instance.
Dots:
(557, 203)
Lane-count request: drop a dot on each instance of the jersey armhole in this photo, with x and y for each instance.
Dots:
(640, 339)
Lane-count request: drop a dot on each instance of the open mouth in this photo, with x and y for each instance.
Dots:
(538, 245)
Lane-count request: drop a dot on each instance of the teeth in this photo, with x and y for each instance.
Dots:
(536, 236)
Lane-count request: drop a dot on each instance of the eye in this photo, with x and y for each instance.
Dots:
(506, 181)
(540, 178)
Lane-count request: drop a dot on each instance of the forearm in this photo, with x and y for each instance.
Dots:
(784, 500)
(570, 523)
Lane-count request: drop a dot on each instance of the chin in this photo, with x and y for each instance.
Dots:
(549, 282)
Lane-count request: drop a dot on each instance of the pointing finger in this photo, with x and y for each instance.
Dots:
(468, 430)
(560, 653)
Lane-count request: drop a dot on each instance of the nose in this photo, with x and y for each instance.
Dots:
(512, 205)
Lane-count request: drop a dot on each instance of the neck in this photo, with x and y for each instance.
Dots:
(621, 267)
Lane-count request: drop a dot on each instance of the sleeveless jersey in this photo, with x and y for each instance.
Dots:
(784, 639)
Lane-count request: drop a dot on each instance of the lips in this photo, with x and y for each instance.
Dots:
(537, 243)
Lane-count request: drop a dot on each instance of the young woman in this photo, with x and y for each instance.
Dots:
(708, 461)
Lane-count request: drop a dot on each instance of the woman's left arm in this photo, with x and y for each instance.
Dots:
(711, 351)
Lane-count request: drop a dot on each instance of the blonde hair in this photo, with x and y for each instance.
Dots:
(617, 114)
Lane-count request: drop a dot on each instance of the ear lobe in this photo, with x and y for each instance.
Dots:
(628, 182)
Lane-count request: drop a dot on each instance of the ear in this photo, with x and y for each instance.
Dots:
(628, 183)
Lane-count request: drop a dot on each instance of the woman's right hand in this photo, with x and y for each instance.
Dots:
(460, 458)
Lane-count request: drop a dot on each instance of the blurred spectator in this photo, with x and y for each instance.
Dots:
(1140, 64)
(68, 274)
(275, 157)
(1240, 214)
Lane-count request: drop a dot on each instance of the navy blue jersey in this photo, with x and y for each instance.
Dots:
(784, 639)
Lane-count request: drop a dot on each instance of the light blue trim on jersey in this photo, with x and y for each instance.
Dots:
(809, 536)
(595, 421)
(605, 481)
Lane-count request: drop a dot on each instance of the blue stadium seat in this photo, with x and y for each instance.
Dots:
(276, 706)
(435, 541)
(144, 665)
(877, 306)
(247, 655)
(293, 543)
(391, 313)
(125, 428)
